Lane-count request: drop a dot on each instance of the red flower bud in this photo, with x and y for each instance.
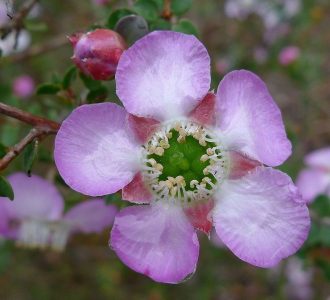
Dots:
(96, 53)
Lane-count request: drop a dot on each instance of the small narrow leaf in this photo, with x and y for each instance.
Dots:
(90, 83)
(3, 150)
(30, 154)
(48, 89)
(5, 189)
(186, 26)
(179, 7)
(69, 76)
(147, 9)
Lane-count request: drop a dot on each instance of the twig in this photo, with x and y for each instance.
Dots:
(53, 44)
(167, 14)
(17, 21)
(42, 127)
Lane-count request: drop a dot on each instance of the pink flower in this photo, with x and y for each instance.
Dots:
(315, 179)
(23, 86)
(35, 218)
(191, 159)
(288, 55)
(97, 52)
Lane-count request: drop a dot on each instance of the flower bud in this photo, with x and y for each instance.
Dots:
(97, 52)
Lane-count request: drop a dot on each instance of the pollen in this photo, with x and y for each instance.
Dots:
(183, 162)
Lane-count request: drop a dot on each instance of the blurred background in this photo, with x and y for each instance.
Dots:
(286, 42)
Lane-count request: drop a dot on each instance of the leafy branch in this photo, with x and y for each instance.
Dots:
(42, 127)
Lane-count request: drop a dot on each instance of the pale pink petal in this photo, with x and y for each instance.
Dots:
(35, 198)
(91, 216)
(240, 165)
(319, 159)
(204, 112)
(142, 127)
(156, 240)
(260, 217)
(136, 191)
(249, 120)
(313, 182)
(200, 215)
(95, 152)
(163, 75)
(4, 220)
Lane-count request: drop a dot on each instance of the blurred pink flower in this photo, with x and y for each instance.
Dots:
(288, 55)
(260, 55)
(23, 86)
(299, 280)
(3, 13)
(7, 45)
(315, 179)
(35, 217)
(222, 66)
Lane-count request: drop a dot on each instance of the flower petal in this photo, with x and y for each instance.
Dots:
(259, 217)
(142, 128)
(204, 112)
(35, 197)
(250, 120)
(156, 240)
(240, 165)
(200, 215)
(94, 150)
(136, 191)
(163, 75)
(91, 216)
(319, 158)
(312, 183)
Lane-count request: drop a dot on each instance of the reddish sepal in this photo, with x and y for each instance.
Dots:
(240, 165)
(204, 112)
(199, 215)
(136, 192)
(142, 127)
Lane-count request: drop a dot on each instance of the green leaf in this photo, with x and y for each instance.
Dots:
(109, 199)
(48, 89)
(69, 76)
(186, 26)
(98, 94)
(35, 25)
(6, 189)
(90, 83)
(29, 156)
(179, 7)
(132, 28)
(3, 150)
(160, 24)
(116, 16)
(321, 205)
(147, 9)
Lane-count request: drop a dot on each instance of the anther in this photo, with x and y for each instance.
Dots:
(159, 167)
(210, 151)
(193, 183)
(159, 151)
(204, 158)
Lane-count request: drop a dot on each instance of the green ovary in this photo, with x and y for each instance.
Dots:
(183, 159)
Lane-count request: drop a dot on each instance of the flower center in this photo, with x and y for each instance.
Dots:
(183, 161)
